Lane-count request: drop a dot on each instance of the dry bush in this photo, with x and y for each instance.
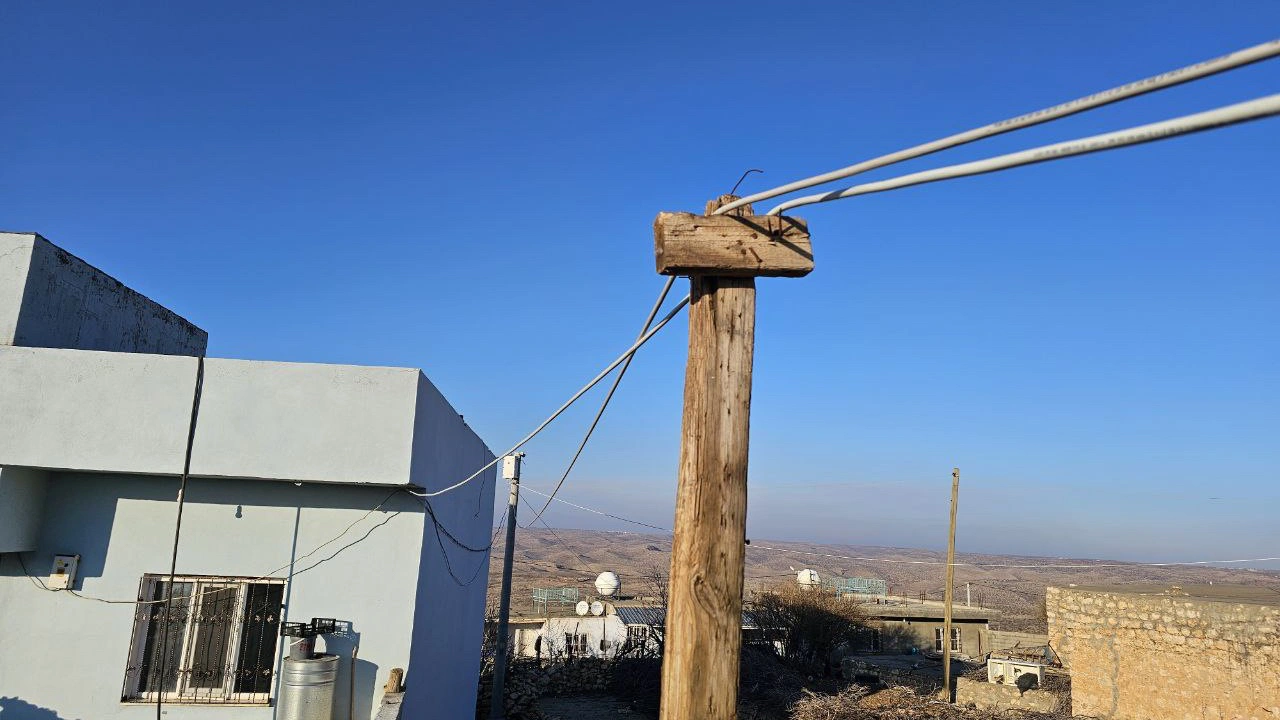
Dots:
(841, 706)
(809, 623)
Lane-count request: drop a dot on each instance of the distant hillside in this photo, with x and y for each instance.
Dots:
(572, 558)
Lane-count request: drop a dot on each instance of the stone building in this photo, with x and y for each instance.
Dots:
(1146, 652)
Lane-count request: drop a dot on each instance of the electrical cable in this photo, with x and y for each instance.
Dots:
(265, 576)
(1169, 79)
(1012, 565)
(559, 540)
(598, 512)
(426, 504)
(617, 380)
(756, 546)
(1221, 117)
(177, 527)
(603, 373)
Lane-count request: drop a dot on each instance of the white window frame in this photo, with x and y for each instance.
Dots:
(185, 692)
(957, 645)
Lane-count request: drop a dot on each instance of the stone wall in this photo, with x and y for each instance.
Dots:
(1004, 640)
(1167, 656)
(989, 696)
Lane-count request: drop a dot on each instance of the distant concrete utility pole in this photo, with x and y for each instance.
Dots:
(510, 473)
(722, 255)
(950, 590)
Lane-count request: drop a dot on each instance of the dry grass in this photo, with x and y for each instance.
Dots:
(841, 706)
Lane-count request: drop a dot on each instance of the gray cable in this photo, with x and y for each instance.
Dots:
(1169, 79)
(1208, 120)
(617, 380)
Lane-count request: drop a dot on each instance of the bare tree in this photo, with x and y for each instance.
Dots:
(808, 624)
(655, 584)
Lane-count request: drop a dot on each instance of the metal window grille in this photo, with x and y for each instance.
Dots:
(637, 635)
(216, 644)
(576, 644)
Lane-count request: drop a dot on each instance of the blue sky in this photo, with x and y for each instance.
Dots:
(469, 189)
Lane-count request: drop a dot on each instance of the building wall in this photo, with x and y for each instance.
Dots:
(606, 628)
(130, 413)
(51, 298)
(448, 627)
(1160, 657)
(22, 496)
(74, 650)
(901, 635)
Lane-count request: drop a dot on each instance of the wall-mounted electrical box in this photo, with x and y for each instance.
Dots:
(63, 575)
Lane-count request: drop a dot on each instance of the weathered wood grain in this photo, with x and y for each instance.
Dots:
(731, 245)
(704, 620)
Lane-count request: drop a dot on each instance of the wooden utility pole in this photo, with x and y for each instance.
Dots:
(950, 589)
(722, 254)
(497, 699)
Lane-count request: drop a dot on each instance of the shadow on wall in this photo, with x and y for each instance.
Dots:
(12, 708)
(355, 685)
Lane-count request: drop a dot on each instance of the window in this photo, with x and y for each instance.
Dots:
(956, 644)
(575, 644)
(217, 643)
(637, 636)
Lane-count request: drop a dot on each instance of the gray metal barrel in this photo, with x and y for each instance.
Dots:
(306, 688)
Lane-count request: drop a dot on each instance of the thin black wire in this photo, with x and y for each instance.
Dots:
(744, 177)
(440, 530)
(426, 504)
(556, 535)
(617, 380)
(177, 530)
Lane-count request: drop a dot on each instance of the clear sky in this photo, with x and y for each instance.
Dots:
(469, 188)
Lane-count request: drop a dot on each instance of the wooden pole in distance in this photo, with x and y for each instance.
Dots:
(950, 589)
(722, 255)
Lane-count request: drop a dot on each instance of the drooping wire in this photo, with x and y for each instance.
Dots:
(597, 512)
(265, 576)
(559, 540)
(617, 380)
(576, 396)
(757, 546)
(1208, 120)
(1169, 79)
(1038, 566)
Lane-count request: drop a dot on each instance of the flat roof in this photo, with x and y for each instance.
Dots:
(111, 412)
(1240, 594)
(914, 611)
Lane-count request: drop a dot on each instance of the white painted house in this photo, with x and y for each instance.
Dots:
(297, 507)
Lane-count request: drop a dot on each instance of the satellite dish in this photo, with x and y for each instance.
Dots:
(608, 584)
(597, 607)
(582, 608)
(808, 578)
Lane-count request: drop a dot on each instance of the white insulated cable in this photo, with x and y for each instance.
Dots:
(1221, 117)
(583, 391)
(604, 404)
(1230, 61)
